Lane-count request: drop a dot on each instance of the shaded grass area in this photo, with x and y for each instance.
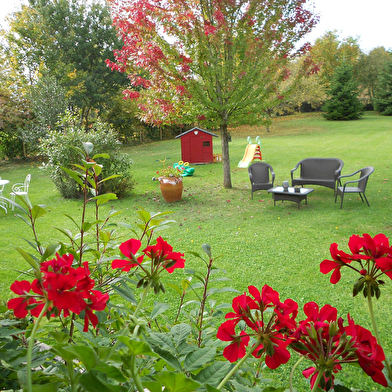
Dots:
(261, 244)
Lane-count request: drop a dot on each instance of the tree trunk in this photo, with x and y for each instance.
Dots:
(225, 156)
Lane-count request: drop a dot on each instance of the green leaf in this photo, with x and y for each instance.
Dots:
(101, 199)
(86, 226)
(72, 219)
(37, 211)
(180, 333)
(125, 292)
(197, 359)
(207, 249)
(88, 147)
(185, 284)
(154, 216)
(22, 217)
(86, 354)
(60, 337)
(162, 341)
(136, 346)
(102, 155)
(169, 358)
(341, 388)
(144, 215)
(214, 373)
(91, 383)
(272, 389)
(159, 308)
(29, 258)
(175, 382)
(74, 175)
(62, 351)
(49, 251)
(97, 169)
(175, 287)
(109, 178)
(153, 386)
(66, 232)
(50, 387)
(210, 388)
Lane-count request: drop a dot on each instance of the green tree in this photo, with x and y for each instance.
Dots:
(329, 53)
(14, 111)
(343, 103)
(368, 69)
(48, 101)
(383, 94)
(216, 62)
(307, 91)
(70, 40)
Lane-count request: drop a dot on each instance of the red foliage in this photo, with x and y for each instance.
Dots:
(169, 43)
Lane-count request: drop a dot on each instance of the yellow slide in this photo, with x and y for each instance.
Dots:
(252, 152)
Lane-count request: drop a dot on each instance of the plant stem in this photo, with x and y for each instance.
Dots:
(315, 386)
(292, 371)
(144, 296)
(71, 375)
(375, 329)
(31, 345)
(135, 376)
(234, 369)
(203, 303)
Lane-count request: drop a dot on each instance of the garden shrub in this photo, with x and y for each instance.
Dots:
(58, 150)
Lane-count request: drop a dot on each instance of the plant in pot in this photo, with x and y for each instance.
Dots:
(170, 181)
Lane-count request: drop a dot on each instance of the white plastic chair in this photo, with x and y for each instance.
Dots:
(3, 203)
(21, 189)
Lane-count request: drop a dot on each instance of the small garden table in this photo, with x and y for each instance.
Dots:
(289, 194)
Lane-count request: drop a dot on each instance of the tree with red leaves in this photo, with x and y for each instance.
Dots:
(215, 62)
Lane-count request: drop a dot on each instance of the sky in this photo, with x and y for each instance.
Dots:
(367, 21)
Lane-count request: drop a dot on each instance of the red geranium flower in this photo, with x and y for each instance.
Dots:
(162, 255)
(128, 249)
(59, 265)
(237, 349)
(20, 304)
(241, 305)
(276, 351)
(96, 301)
(340, 259)
(64, 288)
(369, 353)
(267, 328)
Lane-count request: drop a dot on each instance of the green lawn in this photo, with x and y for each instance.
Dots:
(261, 244)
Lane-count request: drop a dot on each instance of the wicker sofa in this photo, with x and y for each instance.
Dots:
(317, 171)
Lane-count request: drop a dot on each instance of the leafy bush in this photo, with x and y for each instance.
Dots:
(58, 149)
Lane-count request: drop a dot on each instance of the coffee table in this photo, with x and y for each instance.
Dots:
(289, 194)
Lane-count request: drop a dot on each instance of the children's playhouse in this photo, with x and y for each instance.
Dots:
(196, 146)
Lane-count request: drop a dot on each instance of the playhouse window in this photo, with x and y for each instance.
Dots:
(206, 144)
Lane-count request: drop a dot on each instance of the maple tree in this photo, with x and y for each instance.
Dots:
(218, 63)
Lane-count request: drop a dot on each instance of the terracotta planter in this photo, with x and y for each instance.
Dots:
(171, 188)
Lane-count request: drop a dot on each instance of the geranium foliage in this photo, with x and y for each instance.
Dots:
(217, 62)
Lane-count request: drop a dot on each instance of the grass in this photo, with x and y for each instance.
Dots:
(261, 244)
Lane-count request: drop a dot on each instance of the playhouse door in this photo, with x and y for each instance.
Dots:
(207, 150)
(195, 148)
